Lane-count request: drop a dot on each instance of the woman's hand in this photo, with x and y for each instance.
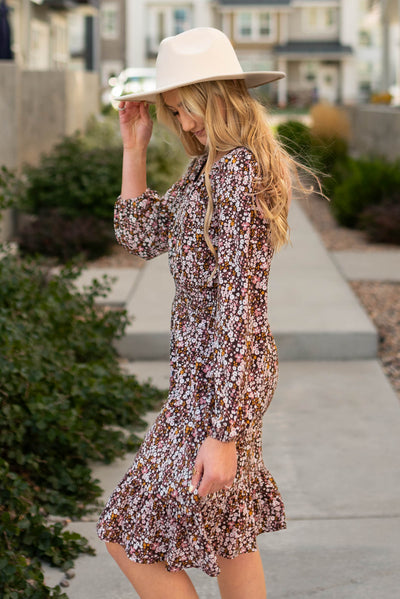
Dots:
(136, 128)
(215, 466)
(135, 124)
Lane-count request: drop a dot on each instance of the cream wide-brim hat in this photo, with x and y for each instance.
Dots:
(200, 54)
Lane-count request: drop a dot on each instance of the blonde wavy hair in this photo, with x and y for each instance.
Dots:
(233, 118)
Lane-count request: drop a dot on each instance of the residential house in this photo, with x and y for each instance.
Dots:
(149, 21)
(331, 50)
(390, 21)
(311, 40)
(113, 40)
(41, 31)
(378, 51)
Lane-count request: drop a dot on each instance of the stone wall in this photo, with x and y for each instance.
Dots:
(375, 130)
(37, 108)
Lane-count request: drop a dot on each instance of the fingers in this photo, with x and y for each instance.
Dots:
(211, 485)
(206, 483)
(134, 107)
(197, 474)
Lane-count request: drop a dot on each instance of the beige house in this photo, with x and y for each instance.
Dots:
(311, 40)
(112, 41)
(337, 50)
(42, 78)
(41, 32)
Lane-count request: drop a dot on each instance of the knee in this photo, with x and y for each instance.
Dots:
(115, 550)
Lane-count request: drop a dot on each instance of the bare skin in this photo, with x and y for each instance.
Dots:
(240, 578)
(216, 462)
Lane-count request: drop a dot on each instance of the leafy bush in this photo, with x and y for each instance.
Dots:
(52, 234)
(27, 537)
(296, 138)
(76, 180)
(365, 182)
(382, 223)
(63, 402)
(323, 155)
(73, 189)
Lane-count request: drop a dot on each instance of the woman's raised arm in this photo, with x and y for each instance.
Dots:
(136, 128)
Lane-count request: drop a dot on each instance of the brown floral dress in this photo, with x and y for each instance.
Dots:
(223, 374)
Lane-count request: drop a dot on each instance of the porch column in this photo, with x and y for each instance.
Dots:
(135, 34)
(349, 89)
(282, 83)
(385, 23)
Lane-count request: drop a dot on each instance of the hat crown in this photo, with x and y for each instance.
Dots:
(197, 54)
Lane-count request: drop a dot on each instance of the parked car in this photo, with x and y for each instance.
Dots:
(132, 80)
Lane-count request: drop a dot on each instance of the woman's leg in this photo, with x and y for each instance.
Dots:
(242, 577)
(153, 581)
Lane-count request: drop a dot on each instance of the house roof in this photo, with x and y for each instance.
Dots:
(323, 48)
(259, 2)
(255, 2)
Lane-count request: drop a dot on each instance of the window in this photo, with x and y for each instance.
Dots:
(245, 24)
(254, 26)
(165, 21)
(40, 45)
(265, 24)
(364, 38)
(330, 17)
(59, 45)
(318, 19)
(181, 20)
(109, 21)
(160, 26)
(312, 17)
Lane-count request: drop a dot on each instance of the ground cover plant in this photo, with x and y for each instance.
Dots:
(64, 402)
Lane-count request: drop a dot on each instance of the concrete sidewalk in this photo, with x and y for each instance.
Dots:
(314, 314)
(331, 437)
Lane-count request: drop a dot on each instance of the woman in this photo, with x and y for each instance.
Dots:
(198, 492)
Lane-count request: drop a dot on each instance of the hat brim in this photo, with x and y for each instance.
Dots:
(251, 79)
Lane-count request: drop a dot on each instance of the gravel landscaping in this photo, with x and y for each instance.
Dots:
(381, 299)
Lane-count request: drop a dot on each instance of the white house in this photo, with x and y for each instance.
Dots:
(41, 31)
(330, 49)
(149, 21)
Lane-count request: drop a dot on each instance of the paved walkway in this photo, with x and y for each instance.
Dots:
(331, 435)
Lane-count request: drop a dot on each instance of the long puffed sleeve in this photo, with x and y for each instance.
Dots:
(142, 224)
(245, 353)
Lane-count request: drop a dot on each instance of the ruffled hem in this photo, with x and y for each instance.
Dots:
(179, 542)
(186, 531)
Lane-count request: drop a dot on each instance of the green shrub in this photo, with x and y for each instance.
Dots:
(64, 402)
(382, 223)
(323, 155)
(74, 179)
(27, 538)
(73, 189)
(54, 235)
(296, 138)
(365, 182)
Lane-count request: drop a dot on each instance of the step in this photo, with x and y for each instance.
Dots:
(122, 283)
(358, 265)
(314, 314)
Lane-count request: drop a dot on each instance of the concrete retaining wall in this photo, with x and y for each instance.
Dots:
(37, 108)
(375, 130)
